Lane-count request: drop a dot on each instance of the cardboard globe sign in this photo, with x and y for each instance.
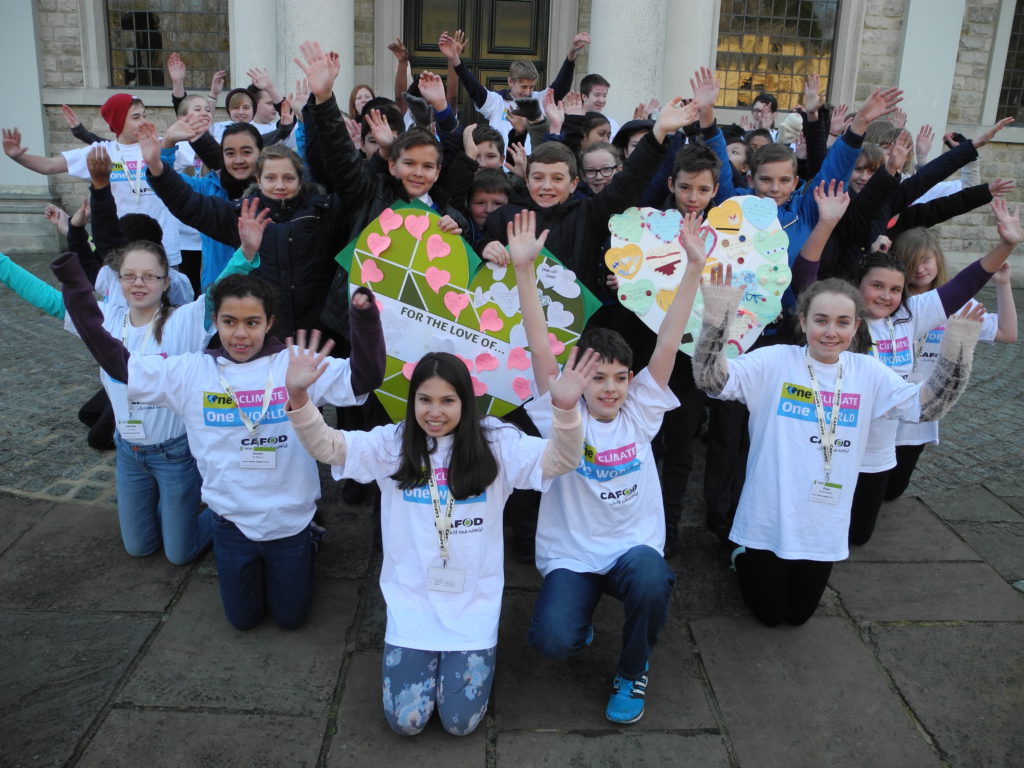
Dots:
(647, 256)
(436, 295)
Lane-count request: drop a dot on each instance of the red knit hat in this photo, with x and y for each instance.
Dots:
(115, 111)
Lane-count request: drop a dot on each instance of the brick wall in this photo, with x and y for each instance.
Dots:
(880, 45)
(60, 43)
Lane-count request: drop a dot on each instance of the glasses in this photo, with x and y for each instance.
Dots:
(608, 170)
(128, 279)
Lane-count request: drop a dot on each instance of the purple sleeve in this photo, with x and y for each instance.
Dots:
(805, 274)
(368, 354)
(967, 282)
(80, 302)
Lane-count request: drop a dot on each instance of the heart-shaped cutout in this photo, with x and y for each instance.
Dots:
(727, 218)
(378, 243)
(456, 302)
(437, 248)
(489, 320)
(522, 387)
(637, 297)
(557, 346)
(760, 211)
(518, 359)
(773, 246)
(416, 225)
(479, 388)
(710, 239)
(665, 225)
(407, 370)
(438, 278)
(389, 220)
(467, 362)
(370, 272)
(627, 226)
(625, 261)
(664, 298)
(485, 361)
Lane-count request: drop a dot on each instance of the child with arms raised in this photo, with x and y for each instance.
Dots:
(601, 528)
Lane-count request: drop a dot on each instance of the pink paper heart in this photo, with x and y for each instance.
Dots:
(485, 361)
(370, 272)
(489, 320)
(517, 359)
(416, 225)
(467, 361)
(521, 387)
(389, 220)
(455, 301)
(557, 347)
(437, 278)
(378, 243)
(437, 248)
(407, 370)
(479, 388)
(380, 305)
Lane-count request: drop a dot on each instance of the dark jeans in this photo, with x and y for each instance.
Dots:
(778, 590)
(899, 476)
(260, 577)
(640, 578)
(867, 503)
(98, 415)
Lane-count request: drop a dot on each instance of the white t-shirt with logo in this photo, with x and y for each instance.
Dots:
(776, 512)
(925, 312)
(265, 503)
(127, 178)
(612, 501)
(417, 616)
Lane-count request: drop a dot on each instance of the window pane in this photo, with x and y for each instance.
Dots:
(771, 45)
(1011, 94)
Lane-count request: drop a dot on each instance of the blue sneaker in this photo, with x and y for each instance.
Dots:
(626, 704)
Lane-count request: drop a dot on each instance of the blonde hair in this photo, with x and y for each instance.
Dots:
(914, 246)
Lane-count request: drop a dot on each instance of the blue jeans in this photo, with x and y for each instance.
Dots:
(640, 578)
(459, 682)
(260, 577)
(158, 500)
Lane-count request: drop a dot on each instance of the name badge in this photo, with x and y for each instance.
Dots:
(825, 493)
(446, 579)
(131, 429)
(258, 457)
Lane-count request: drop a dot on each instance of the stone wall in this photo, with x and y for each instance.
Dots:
(60, 43)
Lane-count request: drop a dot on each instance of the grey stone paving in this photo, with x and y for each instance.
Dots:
(915, 657)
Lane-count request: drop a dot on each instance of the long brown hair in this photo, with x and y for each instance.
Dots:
(913, 246)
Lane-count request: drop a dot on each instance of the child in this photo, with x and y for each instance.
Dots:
(594, 90)
(740, 154)
(125, 115)
(443, 593)
(925, 263)
(601, 528)
(793, 515)
(600, 162)
(490, 146)
(489, 191)
(260, 488)
(895, 323)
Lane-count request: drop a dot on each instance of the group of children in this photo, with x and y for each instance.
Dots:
(217, 423)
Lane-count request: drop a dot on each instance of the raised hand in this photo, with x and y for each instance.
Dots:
(397, 47)
(973, 311)
(149, 146)
(80, 217)
(1002, 275)
(832, 200)
(812, 91)
(251, 225)
(58, 217)
(572, 104)
(579, 42)
(881, 244)
(717, 275)
(468, 145)
(898, 118)
(176, 68)
(355, 131)
(567, 388)
(217, 83)
(260, 78)
(318, 69)
(180, 130)
(460, 41)
(692, 239)
(287, 113)
(554, 111)
(673, 116)
(70, 117)
(898, 153)
(923, 143)
(705, 88)
(746, 122)
(98, 163)
(449, 48)
(381, 129)
(12, 143)
(881, 102)
(306, 364)
(838, 119)
(1007, 221)
(986, 137)
(518, 167)
(299, 96)
(524, 245)
(432, 90)
(999, 187)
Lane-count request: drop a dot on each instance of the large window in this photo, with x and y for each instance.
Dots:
(142, 33)
(1011, 94)
(772, 45)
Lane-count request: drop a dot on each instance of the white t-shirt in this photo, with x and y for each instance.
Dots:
(419, 617)
(187, 162)
(108, 286)
(266, 503)
(612, 501)
(126, 176)
(775, 510)
(925, 312)
(495, 109)
(927, 348)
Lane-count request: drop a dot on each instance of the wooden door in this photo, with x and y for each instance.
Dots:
(498, 32)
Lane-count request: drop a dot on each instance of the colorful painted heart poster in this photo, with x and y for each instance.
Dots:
(647, 256)
(436, 295)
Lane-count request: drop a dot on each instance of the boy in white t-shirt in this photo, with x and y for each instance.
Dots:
(125, 114)
(601, 528)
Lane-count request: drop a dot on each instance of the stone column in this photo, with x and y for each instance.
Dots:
(330, 23)
(691, 40)
(22, 98)
(628, 43)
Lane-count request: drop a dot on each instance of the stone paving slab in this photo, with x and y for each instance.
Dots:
(907, 531)
(197, 740)
(363, 738)
(925, 592)
(966, 686)
(805, 696)
(1000, 544)
(534, 693)
(73, 559)
(1010, 490)
(970, 503)
(56, 674)
(17, 515)
(198, 659)
(705, 584)
(625, 750)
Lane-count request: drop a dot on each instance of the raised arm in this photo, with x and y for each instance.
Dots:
(832, 205)
(523, 247)
(39, 293)
(952, 370)
(20, 155)
(721, 300)
(670, 333)
(450, 50)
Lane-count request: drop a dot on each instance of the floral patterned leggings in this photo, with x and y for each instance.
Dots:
(459, 681)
